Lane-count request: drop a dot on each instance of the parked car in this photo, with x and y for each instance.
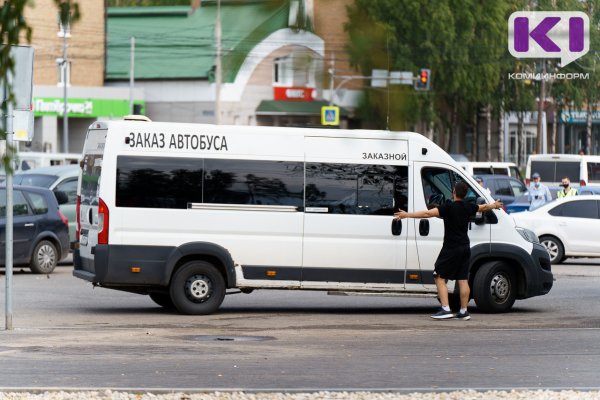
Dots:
(567, 227)
(503, 188)
(40, 230)
(56, 178)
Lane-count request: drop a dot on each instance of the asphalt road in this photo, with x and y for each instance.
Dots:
(70, 335)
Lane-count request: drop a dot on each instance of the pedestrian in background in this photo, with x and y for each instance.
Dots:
(567, 189)
(480, 181)
(453, 261)
(539, 194)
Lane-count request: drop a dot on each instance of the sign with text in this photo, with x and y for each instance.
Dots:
(549, 34)
(294, 93)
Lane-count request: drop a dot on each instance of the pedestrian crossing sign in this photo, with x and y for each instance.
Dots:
(330, 115)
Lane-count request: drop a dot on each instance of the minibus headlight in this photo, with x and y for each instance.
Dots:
(528, 235)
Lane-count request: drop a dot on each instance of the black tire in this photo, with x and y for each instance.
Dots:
(163, 299)
(555, 249)
(197, 288)
(495, 287)
(44, 258)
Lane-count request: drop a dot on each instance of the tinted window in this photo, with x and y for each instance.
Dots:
(70, 188)
(159, 182)
(438, 184)
(577, 209)
(514, 172)
(357, 189)
(503, 187)
(20, 205)
(500, 171)
(593, 171)
(554, 171)
(39, 203)
(254, 182)
(90, 179)
(483, 171)
(518, 188)
(34, 180)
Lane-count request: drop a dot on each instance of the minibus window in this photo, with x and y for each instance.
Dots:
(593, 172)
(90, 179)
(356, 189)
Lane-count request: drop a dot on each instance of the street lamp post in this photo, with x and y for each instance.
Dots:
(64, 32)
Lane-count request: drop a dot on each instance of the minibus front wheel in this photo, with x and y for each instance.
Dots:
(197, 288)
(495, 287)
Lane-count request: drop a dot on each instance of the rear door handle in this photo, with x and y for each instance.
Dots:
(29, 224)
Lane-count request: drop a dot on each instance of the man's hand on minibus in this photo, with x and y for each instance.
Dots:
(400, 214)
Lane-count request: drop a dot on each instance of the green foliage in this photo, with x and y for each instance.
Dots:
(461, 41)
(145, 3)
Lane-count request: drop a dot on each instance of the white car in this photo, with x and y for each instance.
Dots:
(567, 227)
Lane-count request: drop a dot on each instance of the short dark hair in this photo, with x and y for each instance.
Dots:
(461, 189)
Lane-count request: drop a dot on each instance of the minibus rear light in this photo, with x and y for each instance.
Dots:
(78, 217)
(582, 183)
(102, 222)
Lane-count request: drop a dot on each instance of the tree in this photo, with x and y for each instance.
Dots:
(460, 41)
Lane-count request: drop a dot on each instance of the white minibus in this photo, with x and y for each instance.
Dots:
(582, 170)
(185, 212)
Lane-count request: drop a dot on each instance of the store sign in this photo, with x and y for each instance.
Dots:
(81, 108)
(578, 117)
(294, 93)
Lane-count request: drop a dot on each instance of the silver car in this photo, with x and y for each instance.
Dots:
(58, 178)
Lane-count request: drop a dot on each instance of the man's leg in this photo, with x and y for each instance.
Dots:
(442, 290)
(463, 286)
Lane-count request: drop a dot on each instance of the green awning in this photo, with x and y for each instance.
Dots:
(281, 107)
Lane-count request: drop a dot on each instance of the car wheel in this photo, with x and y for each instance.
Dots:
(495, 287)
(44, 258)
(162, 299)
(197, 288)
(555, 249)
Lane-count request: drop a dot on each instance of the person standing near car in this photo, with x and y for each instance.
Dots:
(539, 194)
(453, 261)
(567, 191)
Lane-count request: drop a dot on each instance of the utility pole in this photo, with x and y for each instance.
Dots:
(218, 72)
(8, 263)
(131, 73)
(542, 100)
(65, 33)
(331, 76)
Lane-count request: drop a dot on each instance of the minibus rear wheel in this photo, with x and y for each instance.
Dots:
(197, 288)
(495, 287)
(162, 299)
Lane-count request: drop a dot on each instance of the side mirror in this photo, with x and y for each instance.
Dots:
(61, 197)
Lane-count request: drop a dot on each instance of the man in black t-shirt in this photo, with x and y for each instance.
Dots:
(453, 260)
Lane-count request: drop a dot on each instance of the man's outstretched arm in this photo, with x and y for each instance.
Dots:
(401, 214)
(492, 206)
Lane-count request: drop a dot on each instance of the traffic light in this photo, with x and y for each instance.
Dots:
(423, 78)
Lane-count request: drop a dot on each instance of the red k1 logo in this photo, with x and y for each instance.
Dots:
(546, 34)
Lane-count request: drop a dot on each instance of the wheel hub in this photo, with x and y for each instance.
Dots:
(552, 248)
(198, 288)
(500, 288)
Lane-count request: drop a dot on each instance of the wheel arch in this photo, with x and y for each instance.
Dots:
(50, 236)
(204, 251)
(513, 256)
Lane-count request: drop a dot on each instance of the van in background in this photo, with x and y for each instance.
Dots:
(582, 170)
(491, 168)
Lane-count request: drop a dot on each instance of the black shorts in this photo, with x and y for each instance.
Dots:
(453, 263)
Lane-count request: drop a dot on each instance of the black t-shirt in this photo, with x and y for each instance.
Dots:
(456, 218)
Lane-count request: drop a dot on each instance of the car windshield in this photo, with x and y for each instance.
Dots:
(37, 180)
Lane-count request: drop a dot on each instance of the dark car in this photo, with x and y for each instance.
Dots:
(521, 203)
(503, 188)
(40, 230)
